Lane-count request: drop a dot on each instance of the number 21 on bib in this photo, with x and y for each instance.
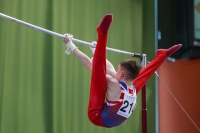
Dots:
(128, 105)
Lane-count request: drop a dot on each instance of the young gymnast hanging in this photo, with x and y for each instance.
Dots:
(113, 93)
(109, 111)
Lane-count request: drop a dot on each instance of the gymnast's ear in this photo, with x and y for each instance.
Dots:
(122, 73)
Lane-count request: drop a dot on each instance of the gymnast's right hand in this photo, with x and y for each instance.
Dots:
(69, 44)
(67, 39)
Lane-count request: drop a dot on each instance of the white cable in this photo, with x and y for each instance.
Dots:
(178, 102)
(126, 125)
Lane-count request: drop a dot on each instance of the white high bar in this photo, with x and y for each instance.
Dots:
(63, 36)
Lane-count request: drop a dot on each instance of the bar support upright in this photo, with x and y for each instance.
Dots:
(144, 103)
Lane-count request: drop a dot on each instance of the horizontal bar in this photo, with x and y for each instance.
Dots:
(63, 36)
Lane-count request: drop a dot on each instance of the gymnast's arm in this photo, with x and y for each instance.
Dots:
(87, 62)
(110, 70)
(84, 59)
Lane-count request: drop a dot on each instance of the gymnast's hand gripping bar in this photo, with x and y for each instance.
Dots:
(63, 36)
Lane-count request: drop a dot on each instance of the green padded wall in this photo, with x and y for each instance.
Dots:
(43, 90)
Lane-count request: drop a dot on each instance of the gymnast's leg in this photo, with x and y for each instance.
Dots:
(145, 74)
(98, 79)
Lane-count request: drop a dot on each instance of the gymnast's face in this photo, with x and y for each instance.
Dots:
(120, 73)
